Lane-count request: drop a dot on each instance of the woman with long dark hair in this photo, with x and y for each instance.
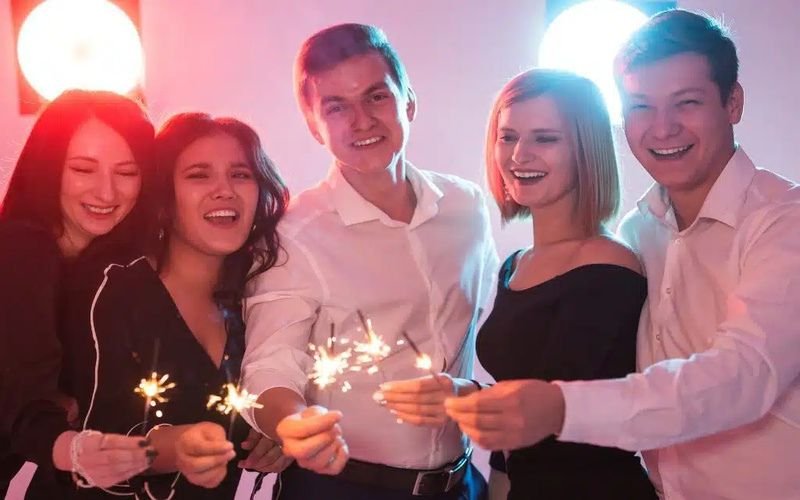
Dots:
(177, 310)
(79, 192)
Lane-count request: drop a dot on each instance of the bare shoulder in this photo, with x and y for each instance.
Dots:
(606, 249)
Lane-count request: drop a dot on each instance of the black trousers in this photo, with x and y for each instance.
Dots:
(296, 483)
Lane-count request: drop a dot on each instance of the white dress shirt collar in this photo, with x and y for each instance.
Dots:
(354, 209)
(728, 191)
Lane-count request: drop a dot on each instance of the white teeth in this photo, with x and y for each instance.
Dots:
(220, 213)
(367, 142)
(99, 210)
(670, 151)
(528, 175)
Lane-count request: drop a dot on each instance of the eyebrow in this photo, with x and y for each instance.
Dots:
(94, 160)
(536, 130)
(372, 88)
(674, 94)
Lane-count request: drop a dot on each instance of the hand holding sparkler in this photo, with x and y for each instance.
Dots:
(314, 439)
(418, 401)
(202, 454)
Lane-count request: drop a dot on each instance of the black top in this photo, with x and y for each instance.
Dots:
(580, 325)
(132, 309)
(30, 353)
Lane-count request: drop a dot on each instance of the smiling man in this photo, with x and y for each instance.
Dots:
(409, 247)
(716, 408)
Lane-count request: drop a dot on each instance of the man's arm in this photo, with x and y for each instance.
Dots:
(754, 358)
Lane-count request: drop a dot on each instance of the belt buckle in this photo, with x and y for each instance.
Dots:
(452, 473)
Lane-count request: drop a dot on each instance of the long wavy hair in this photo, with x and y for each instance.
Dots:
(260, 251)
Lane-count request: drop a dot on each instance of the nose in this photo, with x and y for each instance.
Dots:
(361, 118)
(665, 124)
(522, 152)
(223, 189)
(105, 188)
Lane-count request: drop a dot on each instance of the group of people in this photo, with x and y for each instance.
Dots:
(125, 251)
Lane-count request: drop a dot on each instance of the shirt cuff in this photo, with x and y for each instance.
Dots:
(594, 412)
(261, 381)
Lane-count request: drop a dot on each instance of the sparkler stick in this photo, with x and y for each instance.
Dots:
(423, 361)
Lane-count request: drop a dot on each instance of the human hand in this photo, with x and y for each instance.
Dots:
(418, 401)
(265, 454)
(314, 439)
(102, 460)
(510, 415)
(202, 453)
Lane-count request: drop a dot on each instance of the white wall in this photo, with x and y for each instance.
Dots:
(234, 57)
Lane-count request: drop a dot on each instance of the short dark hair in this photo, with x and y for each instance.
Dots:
(678, 31)
(34, 190)
(327, 48)
(251, 259)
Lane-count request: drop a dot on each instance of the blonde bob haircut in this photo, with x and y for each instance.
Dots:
(589, 130)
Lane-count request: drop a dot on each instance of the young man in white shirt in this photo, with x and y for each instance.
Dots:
(410, 248)
(716, 407)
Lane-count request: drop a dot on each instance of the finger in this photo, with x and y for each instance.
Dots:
(415, 385)
(339, 461)
(199, 447)
(263, 446)
(428, 410)
(304, 449)
(106, 477)
(422, 420)
(281, 464)
(251, 440)
(478, 402)
(436, 397)
(325, 456)
(101, 458)
(116, 442)
(299, 427)
(482, 421)
(199, 465)
(488, 440)
(260, 460)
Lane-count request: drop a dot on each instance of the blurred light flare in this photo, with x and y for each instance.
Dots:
(86, 44)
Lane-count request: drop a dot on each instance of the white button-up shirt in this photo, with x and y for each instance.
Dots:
(718, 401)
(429, 278)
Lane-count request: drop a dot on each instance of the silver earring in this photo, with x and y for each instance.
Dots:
(506, 194)
(161, 234)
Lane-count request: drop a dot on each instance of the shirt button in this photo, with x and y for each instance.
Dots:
(678, 240)
(658, 337)
(668, 291)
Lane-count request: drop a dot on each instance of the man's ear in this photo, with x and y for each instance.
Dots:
(735, 104)
(411, 105)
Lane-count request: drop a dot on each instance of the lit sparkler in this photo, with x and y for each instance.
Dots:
(232, 403)
(152, 389)
(374, 350)
(423, 361)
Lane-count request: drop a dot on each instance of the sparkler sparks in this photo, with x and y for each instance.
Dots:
(235, 400)
(328, 366)
(153, 388)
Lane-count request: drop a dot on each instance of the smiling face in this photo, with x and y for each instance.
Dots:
(216, 196)
(676, 123)
(360, 114)
(100, 183)
(534, 153)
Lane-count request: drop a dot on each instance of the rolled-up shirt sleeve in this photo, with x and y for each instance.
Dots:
(280, 310)
(750, 369)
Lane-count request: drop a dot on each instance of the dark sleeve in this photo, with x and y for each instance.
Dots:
(595, 326)
(31, 417)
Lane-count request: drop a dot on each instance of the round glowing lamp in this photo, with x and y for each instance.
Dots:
(585, 39)
(85, 44)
